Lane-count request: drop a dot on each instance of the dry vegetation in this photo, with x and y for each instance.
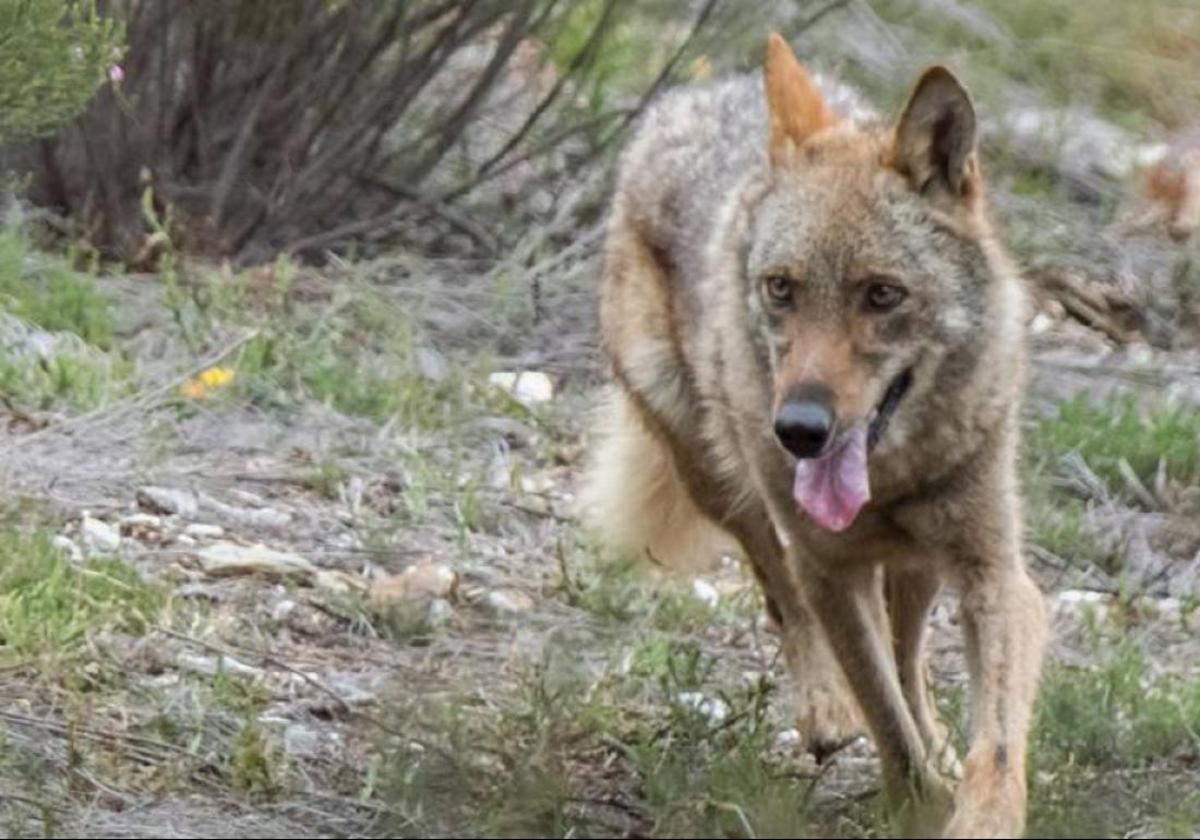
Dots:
(280, 557)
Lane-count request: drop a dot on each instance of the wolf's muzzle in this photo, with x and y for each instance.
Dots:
(804, 423)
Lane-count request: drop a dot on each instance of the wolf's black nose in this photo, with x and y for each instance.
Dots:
(804, 426)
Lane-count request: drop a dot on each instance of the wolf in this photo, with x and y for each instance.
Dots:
(818, 359)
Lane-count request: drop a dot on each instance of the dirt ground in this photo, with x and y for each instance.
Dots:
(286, 551)
(283, 678)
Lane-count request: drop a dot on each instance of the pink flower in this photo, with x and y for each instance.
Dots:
(116, 74)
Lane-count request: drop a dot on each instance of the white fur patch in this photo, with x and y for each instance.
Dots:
(635, 499)
(653, 372)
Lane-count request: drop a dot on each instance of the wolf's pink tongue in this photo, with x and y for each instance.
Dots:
(832, 489)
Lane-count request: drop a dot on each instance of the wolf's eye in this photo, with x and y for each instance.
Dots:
(779, 288)
(884, 297)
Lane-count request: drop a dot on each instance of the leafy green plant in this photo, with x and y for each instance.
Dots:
(53, 56)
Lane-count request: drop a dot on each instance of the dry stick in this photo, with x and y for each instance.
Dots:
(585, 54)
(140, 400)
(451, 129)
(148, 748)
(439, 208)
(663, 74)
(32, 803)
(233, 163)
(816, 16)
(1136, 486)
(320, 240)
(1166, 373)
(547, 145)
(264, 658)
(271, 661)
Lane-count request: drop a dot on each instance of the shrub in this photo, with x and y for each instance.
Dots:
(53, 56)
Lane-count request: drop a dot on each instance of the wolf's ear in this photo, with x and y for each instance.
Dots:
(794, 104)
(935, 138)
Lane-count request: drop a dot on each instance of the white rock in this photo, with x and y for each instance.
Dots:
(302, 741)
(1081, 596)
(713, 708)
(141, 520)
(1041, 323)
(168, 500)
(440, 612)
(508, 601)
(224, 559)
(1074, 602)
(528, 387)
(204, 531)
(98, 537)
(787, 738)
(431, 364)
(68, 547)
(210, 665)
(283, 609)
(185, 539)
(706, 593)
(257, 517)
(337, 582)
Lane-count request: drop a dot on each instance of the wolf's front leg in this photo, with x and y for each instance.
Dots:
(1004, 617)
(910, 595)
(848, 603)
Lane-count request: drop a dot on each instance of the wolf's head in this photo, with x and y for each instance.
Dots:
(869, 272)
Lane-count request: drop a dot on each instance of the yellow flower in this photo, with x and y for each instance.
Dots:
(211, 379)
(215, 377)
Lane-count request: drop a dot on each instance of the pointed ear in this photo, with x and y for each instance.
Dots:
(794, 105)
(935, 138)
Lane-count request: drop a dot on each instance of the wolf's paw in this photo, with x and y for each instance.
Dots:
(990, 802)
(828, 719)
(926, 815)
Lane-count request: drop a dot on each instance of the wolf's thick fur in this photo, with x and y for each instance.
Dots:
(748, 219)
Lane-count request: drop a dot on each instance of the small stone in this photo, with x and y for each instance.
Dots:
(713, 708)
(431, 364)
(526, 387)
(706, 593)
(421, 581)
(98, 537)
(210, 665)
(68, 547)
(1041, 323)
(200, 590)
(302, 741)
(787, 738)
(440, 612)
(145, 527)
(283, 609)
(255, 517)
(337, 582)
(1074, 603)
(204, 531)
(225, 559)
(508, 601)
(168, 500)
(185, 539)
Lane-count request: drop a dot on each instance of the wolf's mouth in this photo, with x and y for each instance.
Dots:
(887, 407)
(834, 487)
